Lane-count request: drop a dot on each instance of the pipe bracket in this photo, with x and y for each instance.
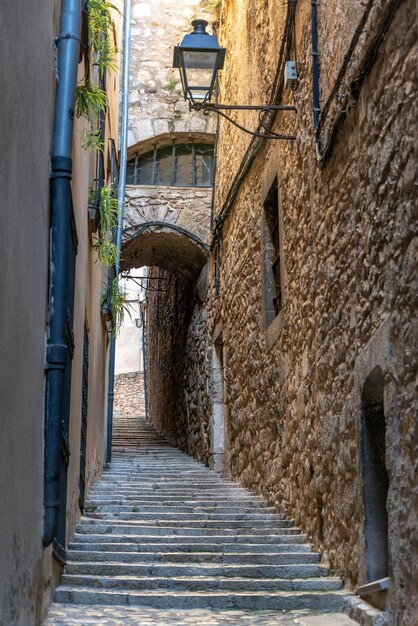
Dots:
(56, 356)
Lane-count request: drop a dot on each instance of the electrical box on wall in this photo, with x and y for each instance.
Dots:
(290, 75)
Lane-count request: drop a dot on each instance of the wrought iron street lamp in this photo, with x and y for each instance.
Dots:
(199, 57)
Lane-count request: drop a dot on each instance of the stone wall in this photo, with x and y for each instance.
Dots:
(178, 364)
(186, 207)
(129, 394)
(348, 259)
(156, 105)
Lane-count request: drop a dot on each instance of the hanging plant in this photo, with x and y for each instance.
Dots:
(92, 140)
(113, 300)
(101, 28)
(108, 220)
(91, 100)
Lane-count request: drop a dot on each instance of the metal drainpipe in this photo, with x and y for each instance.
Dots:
(144, 352)
(315, 77)
(60, 201)
(121, 201)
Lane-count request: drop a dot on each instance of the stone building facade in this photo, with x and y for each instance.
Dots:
(290, 363)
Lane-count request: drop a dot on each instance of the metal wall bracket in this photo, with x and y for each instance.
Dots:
(266, 113)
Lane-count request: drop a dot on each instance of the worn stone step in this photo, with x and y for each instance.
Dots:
(188, 547)
(206, 569)
(279, 600)
(100, 527)
(135, 520)
(170, 489)
(198, 539)
(176, 506)
(200, 583)
(244, 558)
(179, 517)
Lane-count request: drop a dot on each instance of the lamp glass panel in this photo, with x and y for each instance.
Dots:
(199, 60)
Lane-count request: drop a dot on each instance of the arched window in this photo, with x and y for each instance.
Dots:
(179, 165)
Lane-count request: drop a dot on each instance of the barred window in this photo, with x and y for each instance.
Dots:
(179, 165)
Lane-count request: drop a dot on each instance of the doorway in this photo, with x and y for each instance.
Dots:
(375, 477)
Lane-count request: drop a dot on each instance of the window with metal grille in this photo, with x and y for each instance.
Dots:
(272, 261)
(178, 165)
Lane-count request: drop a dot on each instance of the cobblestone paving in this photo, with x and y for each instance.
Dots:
(81, 615)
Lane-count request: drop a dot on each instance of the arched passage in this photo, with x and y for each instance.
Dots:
(168, 246)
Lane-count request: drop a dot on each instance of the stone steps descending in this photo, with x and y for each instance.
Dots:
(161, 530)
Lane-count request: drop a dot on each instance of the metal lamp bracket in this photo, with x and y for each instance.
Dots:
(264, 111)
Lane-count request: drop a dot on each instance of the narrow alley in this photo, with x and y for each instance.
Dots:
(208, 328)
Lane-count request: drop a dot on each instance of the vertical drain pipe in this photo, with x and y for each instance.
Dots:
(144, 352)
(315, 78)
(60, 202)
(121, 200)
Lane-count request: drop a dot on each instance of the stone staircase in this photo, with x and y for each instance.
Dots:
(161, 530)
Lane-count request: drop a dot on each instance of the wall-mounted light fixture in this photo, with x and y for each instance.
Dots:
(199, 57)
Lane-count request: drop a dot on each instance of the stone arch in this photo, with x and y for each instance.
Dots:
(374, 476)
(167, 226)
(164, 245)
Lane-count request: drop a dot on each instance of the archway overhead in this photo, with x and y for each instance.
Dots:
(165, 139)
(166, 246)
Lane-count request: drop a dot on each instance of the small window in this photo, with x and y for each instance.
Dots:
(183, 165)
(272, 260)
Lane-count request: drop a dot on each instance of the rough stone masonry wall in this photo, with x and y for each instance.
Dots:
(186, 207)
(156, 106)
(129, 394)
(178, 364)
(349, 254)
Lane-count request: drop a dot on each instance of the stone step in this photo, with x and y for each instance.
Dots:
(200, 583)
(156, 495)
(226, 519)
(139, 520)
(170, 488)
(202, 569)
(178, 505)
(165, 492)
(279, 600)
(243, 558)
(128, 528)
(186, 548)
(199, 539)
